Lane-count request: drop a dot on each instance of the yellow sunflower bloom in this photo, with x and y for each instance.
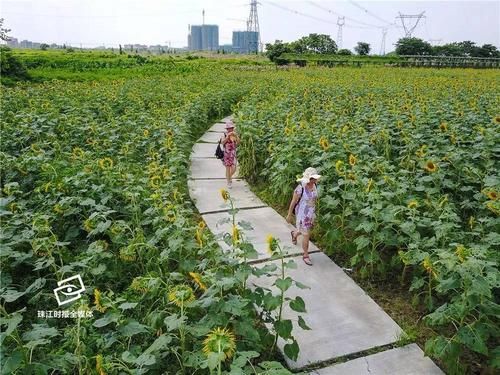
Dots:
(197, 279)
(224, 194)
(106, 163)
(97, 301)
(220, 340)
(180, 295)
(430, 166)
(352, 160)
(272, 244)
(412, 204)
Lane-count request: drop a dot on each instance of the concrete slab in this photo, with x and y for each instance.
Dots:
(219, 127)
(203, 150)
(208, 168)
(264, 221)
(407, 360)
(342, 317)
(230, 117)
(210, 137)
(206, 195)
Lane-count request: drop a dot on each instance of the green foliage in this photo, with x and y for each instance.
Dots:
(344, 52)
(11, 67)
(273, 51)
(362, 48)
(409, 182)
(94, 182)
(413, 46)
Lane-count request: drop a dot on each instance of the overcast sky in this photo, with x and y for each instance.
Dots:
(111, 22)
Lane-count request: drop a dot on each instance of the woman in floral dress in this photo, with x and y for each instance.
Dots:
(230, 141)
(304, 202)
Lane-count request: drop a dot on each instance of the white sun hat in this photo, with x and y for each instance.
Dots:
(308, 174)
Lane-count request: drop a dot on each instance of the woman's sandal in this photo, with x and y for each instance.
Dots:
(294, 239)
(307, 260)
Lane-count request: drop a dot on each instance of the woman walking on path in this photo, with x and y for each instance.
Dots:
(230, 141)
(304, 203)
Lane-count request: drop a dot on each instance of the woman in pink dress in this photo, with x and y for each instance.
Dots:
(304, 203)
(230, 141)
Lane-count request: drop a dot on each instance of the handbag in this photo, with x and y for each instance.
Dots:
(219, 153)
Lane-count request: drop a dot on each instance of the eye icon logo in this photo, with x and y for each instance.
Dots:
(67, 291)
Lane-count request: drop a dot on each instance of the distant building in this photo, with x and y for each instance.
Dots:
(245, 41)
(203, 38)
(13, 42)
(26, 44)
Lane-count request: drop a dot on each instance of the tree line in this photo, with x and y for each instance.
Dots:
(324, 45)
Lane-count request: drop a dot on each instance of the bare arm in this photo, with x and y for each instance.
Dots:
(295, 199)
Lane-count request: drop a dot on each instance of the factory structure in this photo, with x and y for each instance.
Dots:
(206, 37)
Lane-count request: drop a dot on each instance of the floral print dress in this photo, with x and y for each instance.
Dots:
(306, 208)
(229, 159)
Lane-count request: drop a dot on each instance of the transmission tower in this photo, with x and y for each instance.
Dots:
(408, 28)
(340, 23)
(253, 25)
(382, 45)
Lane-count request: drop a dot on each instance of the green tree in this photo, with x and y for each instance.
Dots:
(273, 51)
(362, 48)
(488, 50)
(344, 52)
(316, 44)
(413, 46)
(3, 31)
(11, 67)
(44, 46)
(449, 49)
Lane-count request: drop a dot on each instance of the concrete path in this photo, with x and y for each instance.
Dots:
(344, 320)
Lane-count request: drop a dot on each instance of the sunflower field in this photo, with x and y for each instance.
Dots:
(94, 183)
(411, 185)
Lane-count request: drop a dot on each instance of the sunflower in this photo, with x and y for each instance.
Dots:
(77, 153)
(127, 254)
(272, 244)
(139, 284)
(220, 340)
(412, 204)
(369, 185)
(180, 295)
(497, 119)
(430, 166)
(323, 142)
(236, 234)
(201, 224)
(443, 126)
(428, 267)
(197, 279)
(461, 253)
(352, 160)
(98, 303)
(492, 194)
(224, 194)
(106, 163)
(199, 236)
(146, 133)
(155, 181)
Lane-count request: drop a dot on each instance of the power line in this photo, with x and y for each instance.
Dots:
(372, 14)
(341, 15)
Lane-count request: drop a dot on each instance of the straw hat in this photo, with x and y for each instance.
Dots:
(308, 174)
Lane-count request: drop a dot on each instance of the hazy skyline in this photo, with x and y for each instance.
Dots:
(111, 22)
